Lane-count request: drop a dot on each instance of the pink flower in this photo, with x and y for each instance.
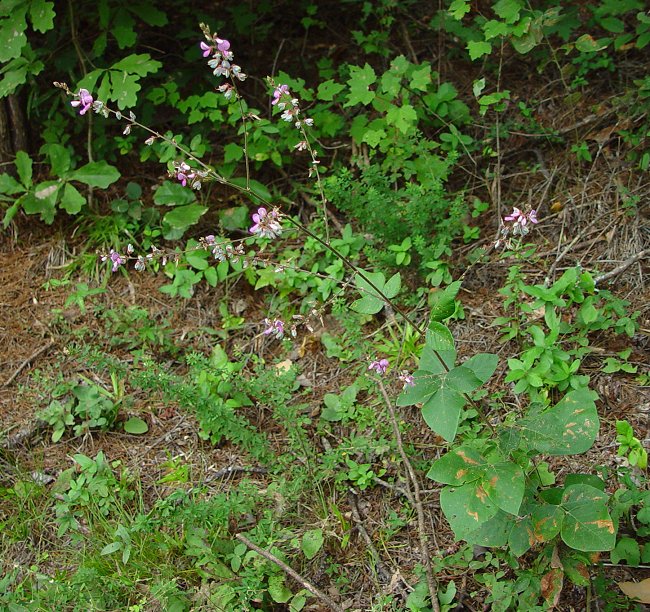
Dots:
(279, 92)
(223, 45)
(85, 101)
(116, 259)
(274, 328)
(532, 216)
(379, 366)
(407, 379)
(207, 49)
(266, 224)
(515, 215)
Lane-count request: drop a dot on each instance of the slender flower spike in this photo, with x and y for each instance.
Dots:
(85, 101)
(517, 223)
(265, 223)
(379, 366)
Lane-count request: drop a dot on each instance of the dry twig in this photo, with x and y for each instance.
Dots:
(624, 266)
(291, 572)
(414, 498)
(25, 363)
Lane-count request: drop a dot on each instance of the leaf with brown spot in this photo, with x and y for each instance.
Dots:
(551, 586)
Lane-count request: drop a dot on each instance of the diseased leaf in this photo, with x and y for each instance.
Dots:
(466, 508)
(587, 525)
(458, 466)
(570, 427)
(504, 484)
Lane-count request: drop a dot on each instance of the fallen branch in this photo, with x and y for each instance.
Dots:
(291, 572)
(624, 266)
(414, 498)
(25, 363)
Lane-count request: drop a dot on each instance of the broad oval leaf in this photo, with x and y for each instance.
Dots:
(466, 508)
(96, 174)
(458, 466)
(184, 216)
(587, 525)
(442, 412)
(504, 483)
(136, 426)
(173, 194)
(568, 428)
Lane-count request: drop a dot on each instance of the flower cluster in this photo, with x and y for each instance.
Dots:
(379, 366)
(115, 258)
(516, 223)
(407, 379)
(221, 60)
(184, 173)
(274, 328)
(222, 250)
(266, 224)
(290, 109)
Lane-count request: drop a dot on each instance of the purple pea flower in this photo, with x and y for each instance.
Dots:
(207, 49)
(379, 366)
(116, 259)
(274, 328)
(266, 224)
(85, 101)
(223, 45)
(279, 92)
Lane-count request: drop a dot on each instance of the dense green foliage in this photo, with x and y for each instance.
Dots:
(400, 172)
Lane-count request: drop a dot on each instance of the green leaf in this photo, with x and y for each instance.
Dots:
(483, 365)
(458, 466)
(12, 33)
(588, 44)
(96, 174)
(360, 81)
(443, 303)
(466, 508)
(140, 64)
(508, 10)
(184, 216)
(440, 340)
(328, 89)
(9, 185)
(402, 117)
(461, 379)
(59, 158)
(587, 525)
(173, 194)
(278, 590)
(478, 48)
(42, 15)
(421, 78)
(71, 200)
(504, 484)
(122, 29)
(371, 301)
(546, 521)
(257, 188)
(494, 532)
(627, 549)
(24, 168)
(111, 548)
(568, 428)
(124, 89)
(312, 542)
(459, 8)
(442, 412)
(136, 426)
